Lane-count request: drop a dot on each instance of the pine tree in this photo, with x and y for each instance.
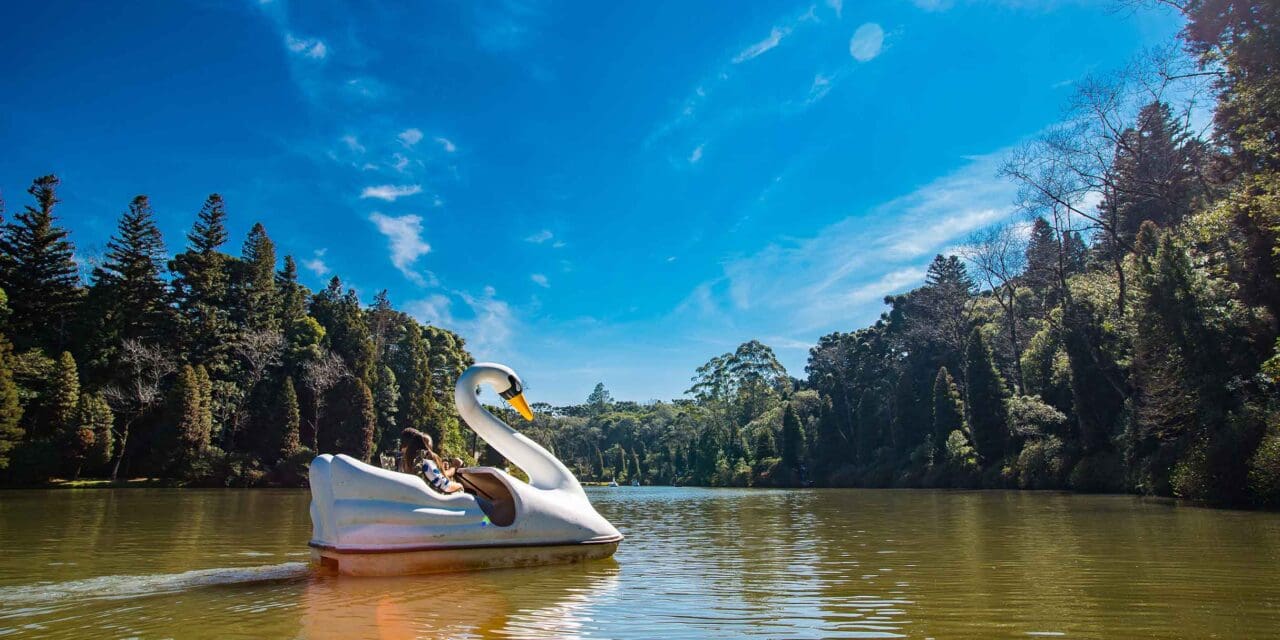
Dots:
(411, 368)
(1042, 258)
(94, 420)
(11, 431)
(985, 394)
(351, 420)
(131, 278)
(386, 399)
(792, 438)
(200, 286)
(64, 395)
(190, 434)
(257, 302)
(765, 446)
(293, 295)
(288, 421)
(948, 412)
(345, 328)
(599, 401)
(39, 274)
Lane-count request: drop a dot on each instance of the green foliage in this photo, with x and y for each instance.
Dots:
(792, 438)
(984, 398)
(1031, 417)
(11, 431)
(948, 410)
(93, 415)
(130, 280)
(1264, 470)
(1042, 464)
(287, 421)
(38, 273)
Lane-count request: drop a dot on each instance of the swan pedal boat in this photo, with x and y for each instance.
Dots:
(368, 521)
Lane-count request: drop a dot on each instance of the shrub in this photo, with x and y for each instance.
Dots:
(1041, 464)
(1098, 473)
(1264, 470)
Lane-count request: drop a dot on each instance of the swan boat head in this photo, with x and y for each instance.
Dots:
(358, 509)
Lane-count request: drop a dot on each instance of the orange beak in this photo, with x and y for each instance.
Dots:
(520, 405)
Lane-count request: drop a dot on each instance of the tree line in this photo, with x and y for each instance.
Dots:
(207, 368)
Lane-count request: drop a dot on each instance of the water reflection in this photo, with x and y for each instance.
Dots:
(548, 602)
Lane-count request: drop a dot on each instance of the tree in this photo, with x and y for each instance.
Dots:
(139, 391)
(11, 431)
(345, 328)
(984, 399)
(792, 438)
(257, 351)
(599, 401)
(948, 410)
(350, 425)
(94, 420)
(131, 278)
(200, 287)
(386, 400)
(64, 394)
(287, 421)
(39, 274)
(319, 376)
(293, 296)
(1000, 254)
(190, 415)
(257, 303)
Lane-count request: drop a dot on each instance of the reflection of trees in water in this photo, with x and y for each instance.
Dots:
(539, 602)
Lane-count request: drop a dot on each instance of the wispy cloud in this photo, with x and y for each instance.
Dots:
(390, 192)
(306, 47)
(540, 237)
(774, 39)
(407, 245)
(487, 322)
(353, 143)
(837, 6)
(446, 144)
(696, 155)
(866, 42)
(540, 280)
(847, 267)
(410, 137)
(401, 162)
(316, 263)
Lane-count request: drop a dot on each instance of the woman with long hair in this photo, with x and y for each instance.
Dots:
(434, 470)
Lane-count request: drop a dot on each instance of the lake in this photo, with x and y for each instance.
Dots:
(697, 563)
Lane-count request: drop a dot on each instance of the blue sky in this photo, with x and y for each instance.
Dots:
(609, 191)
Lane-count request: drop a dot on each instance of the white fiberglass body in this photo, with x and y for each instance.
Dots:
(371, 521)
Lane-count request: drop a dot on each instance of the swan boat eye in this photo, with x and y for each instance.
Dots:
(514, 390)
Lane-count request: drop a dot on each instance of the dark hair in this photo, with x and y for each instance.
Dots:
(415, 441)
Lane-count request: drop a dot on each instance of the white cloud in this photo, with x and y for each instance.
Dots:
(407, 245)
(867, 42)
(933, 5)
(353, 143)
(401, 162)
(696, 155)
(447, 145)
(774, 39)
(836, 5)
(307, 47)
(487, 322)
(316, 264)
(410, 137)
(844, 270)
(540, 237)
(540, 280)
(390, 192)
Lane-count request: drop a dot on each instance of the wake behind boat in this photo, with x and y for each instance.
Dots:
(374, 522)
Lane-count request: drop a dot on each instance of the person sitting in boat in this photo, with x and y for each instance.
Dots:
(437, 474)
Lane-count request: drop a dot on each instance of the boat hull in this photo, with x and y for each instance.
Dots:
(375, 562)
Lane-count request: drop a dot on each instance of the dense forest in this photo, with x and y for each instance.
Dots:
(1119, 333)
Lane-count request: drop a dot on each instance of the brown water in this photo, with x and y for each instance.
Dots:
(696, 563)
